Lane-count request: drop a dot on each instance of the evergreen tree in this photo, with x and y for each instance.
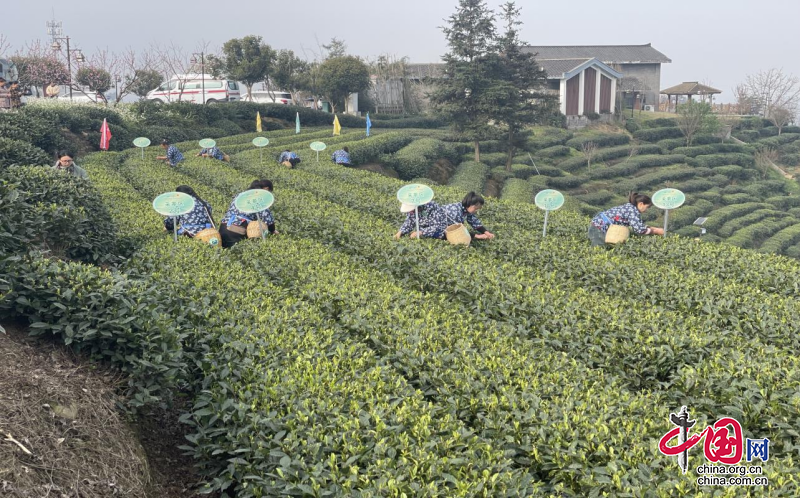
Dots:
(519, 92)
(460, 96)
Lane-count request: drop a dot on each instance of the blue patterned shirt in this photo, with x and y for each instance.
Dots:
(341, 157)
(626, 215)
(457, 213)
(287, 156)
(432, 221)
(174, 156)
(199, 218)
(234, 217)
(213, 152)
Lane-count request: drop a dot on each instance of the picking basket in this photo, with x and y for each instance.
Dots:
(617, 234)
(209, 236)
(253, 231)
(458, 234)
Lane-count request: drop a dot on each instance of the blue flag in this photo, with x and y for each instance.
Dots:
(369, 124)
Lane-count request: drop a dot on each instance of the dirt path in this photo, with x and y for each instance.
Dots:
(62, 435)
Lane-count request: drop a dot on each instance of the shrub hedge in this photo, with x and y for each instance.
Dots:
(470, 176)
(600, 139)
(415, 159)
(517, 190)
(657, 134)
(22, 153)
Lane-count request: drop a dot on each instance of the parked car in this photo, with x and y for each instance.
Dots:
(86, 96)
(193, 87)
(264, 97)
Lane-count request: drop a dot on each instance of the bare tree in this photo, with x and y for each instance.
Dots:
(390, 84)
(589, 150)
(744, 101)
(5, 45)
(765, 159)
(633, 152)
(128, 69)
(781, 116)
(174, 61)
(773, 89)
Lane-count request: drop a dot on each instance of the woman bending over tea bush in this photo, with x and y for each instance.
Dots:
(626, 215)
(196, 220)
(464, 212)
(233, 227)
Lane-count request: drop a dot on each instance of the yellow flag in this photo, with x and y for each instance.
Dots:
(337, 128)
(258, 121)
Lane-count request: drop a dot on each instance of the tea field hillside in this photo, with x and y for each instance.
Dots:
(331, 360)
(745, 206)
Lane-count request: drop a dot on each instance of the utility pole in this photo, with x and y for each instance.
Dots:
(55, 31)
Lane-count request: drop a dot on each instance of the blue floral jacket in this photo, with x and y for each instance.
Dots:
(340, 157)
(457, 213)
(213, 152)
(234, 217)
(625, 215)
(192, 222)
(432, 221)
(174, 156)
(287, 156)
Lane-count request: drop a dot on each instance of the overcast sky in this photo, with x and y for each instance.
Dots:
(716, 41)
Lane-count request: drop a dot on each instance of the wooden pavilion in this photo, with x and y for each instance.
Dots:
(689, 88)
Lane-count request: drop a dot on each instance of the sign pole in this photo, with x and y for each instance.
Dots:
(416, 212)
(142, 152)
(666, 217)
(261, 227)
(262, 156)
(317, 157)
(175, 227)
(546, 214)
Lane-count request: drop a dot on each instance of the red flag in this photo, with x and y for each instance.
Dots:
(105, 136)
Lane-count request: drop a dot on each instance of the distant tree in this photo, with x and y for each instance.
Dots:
(341, 76)
(460, 96)
(98, 80)
(144, 80)
(38, 67)
(589, 150)
(336, 48)
(765, 159)
(745, 102)
(773, 90)
(694, 118)
(781, 116)
(248, 60)
(289, 73)
(519, 87)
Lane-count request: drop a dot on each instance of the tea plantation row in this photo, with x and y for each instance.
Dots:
(333, 360)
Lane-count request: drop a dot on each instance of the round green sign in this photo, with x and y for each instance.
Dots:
(549, 200)
(207, 143)
(261, 141)
(318, 146)
(141, 142)
(173, 203)
(669, 198)
(253, 201)
(415, 194)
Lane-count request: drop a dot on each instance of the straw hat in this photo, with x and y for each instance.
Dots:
(406, 208)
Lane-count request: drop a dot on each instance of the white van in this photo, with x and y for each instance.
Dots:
(191, 88)
(265, 97)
